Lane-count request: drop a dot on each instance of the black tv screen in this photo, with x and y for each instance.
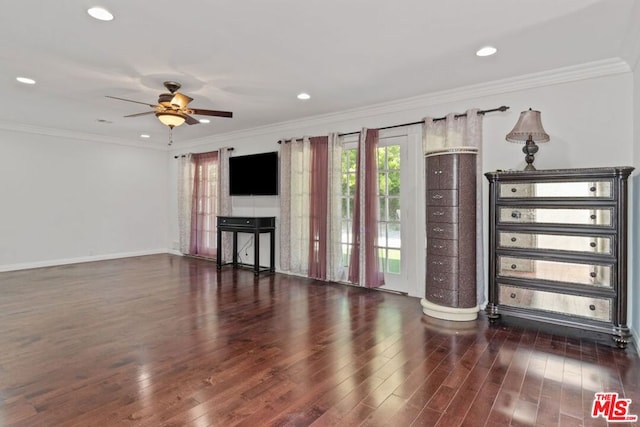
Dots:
(254, 175)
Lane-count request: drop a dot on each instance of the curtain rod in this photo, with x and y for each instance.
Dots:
(184, 155)
(501, 108)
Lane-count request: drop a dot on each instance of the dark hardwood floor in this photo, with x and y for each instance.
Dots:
(167, 341)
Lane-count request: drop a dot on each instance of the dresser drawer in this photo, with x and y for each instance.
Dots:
(556, 271)
(442, 214)
(441, 172)
(568, 216)
(442, 230)
(442, 296)
(558, 242)
(442, 247)
(442, 264)
(442, 279)
(442, 198)
(541, 190)
(572, 305)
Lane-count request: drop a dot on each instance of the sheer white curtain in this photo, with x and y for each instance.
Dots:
(295, 207)
(465, 131)
(335, 266)
(186, 170)
(224, 200)
(295, 159)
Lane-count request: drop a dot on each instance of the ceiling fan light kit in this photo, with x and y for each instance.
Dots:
(170, 119)
(172, 108)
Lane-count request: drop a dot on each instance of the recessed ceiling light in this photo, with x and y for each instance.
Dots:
(144, 135)
(26, 80)
(100, 14)
(205, 121)
(486, 51)
(304, 96)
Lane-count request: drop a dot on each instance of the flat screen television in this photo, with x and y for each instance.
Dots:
(254, 175)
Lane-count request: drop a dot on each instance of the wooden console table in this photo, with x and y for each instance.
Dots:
(255, 226)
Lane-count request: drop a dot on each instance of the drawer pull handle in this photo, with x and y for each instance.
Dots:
(513, 266)
(592, 189)
(515, 214)
(593, 217)
(437, 196)
(438, 229)
(438, 279)
(513, 239)
(437, 262)
(513, 295)
(592, 244)
(513, 190)
(438, 246)
(593, 274)
(438, 213)
(592, 307)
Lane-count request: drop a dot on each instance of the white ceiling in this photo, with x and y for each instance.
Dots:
(253, 57)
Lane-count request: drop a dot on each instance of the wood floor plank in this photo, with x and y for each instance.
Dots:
(164, 340)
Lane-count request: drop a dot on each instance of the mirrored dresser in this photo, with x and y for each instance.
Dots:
(558, 248)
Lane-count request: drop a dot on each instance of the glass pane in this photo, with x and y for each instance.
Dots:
(393, 261)
(381, 158)
(556, 271)
(393, 235)
(556, 189)
(383, 209)
(393, 157)
(346, 253)
(556, 216)
(382, 234)
(394, 208)
(394, 183)
(556, 242)
(383, 259)
(575, 305)
(345, 184)
(353, 160)
(382, 184)
(346, 232)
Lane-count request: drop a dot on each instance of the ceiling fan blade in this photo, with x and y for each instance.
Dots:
(130, 100)
(140, 114)
(211, 112)
(179, 100)
(190, 120)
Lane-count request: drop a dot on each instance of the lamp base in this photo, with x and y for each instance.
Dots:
(530, 148)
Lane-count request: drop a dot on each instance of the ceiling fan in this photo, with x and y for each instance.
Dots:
(172, 108)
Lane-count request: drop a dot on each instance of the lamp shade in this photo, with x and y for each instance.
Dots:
(529, 126)
(170, 119)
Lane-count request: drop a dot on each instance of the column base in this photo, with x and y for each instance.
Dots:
(449, 313)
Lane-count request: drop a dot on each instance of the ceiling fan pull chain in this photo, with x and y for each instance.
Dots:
(170, 135)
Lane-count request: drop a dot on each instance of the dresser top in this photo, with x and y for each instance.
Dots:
(605, 172)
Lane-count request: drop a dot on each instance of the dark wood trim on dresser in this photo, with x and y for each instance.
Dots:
(558, 248)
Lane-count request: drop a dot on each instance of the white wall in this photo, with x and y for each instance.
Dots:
(589, 119)
(69, 200)
(634, 261)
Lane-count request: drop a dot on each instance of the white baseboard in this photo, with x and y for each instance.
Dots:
(56, 262)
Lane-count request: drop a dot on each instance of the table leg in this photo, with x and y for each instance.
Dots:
(256, 254)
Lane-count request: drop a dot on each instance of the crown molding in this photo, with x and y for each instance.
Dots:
(69, 134)
(606, 67)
